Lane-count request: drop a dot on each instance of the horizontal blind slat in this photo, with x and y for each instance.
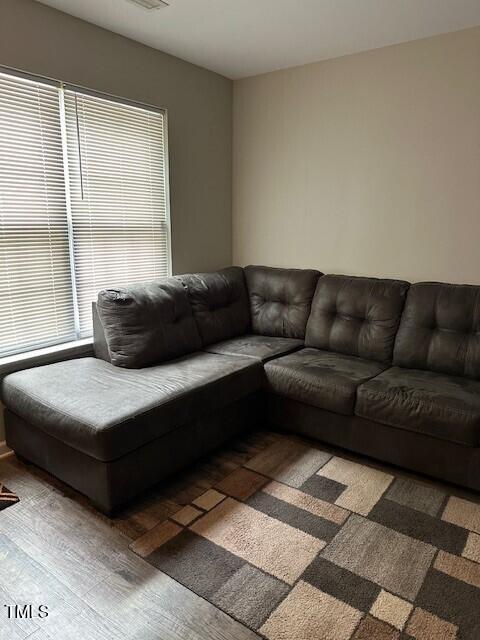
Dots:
(118, 200)
(116, 156)
(35, 285)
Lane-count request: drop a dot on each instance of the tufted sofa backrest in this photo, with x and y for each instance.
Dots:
(219, 303)
(440, 329)
(356, 316)
(280, 299)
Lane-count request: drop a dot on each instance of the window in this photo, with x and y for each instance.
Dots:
(83, 206)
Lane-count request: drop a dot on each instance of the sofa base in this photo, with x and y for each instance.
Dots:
(440, 459)
(109, 485)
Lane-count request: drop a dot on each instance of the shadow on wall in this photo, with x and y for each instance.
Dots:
(2, 430)
(364, 165)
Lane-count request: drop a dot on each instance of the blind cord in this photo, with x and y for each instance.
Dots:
(79, 147)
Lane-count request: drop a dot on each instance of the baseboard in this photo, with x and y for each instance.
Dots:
(4, 450)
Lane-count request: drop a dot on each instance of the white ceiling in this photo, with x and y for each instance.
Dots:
(239, 38)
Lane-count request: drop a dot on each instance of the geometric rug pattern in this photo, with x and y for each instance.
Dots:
(299, 544)
(7, 498)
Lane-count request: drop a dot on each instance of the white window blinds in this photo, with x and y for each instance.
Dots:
(83, 206)
(35, 285)
(118, 196)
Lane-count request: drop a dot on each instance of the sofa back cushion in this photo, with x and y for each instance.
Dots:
(147, 323)
(440, 329)
(280, 300)
(356, 316)
(219, 302)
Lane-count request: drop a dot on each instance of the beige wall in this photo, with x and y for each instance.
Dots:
(368, 164)
(36, 38)
(40, 40)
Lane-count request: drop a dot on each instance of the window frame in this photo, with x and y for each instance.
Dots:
(22, 357)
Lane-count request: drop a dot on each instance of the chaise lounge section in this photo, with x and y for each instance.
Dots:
(183, 364)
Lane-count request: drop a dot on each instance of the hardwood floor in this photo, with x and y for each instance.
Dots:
(56, 550)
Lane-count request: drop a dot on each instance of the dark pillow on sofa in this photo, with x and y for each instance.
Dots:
(219, 302)
(280, 299)
(147, 323)
(440, 329)
(356, 316)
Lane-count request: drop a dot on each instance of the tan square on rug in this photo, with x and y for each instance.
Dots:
(299, 544)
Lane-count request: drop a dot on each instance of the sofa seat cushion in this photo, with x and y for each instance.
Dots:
(263, 348)
(435, 404)
(321, 378)
(106, 411)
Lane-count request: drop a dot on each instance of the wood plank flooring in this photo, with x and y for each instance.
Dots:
(56, 550)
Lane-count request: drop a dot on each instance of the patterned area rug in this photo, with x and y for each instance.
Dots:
(7, 498)
(301, 545)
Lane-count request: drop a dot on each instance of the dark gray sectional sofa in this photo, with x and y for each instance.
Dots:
(380, 367)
